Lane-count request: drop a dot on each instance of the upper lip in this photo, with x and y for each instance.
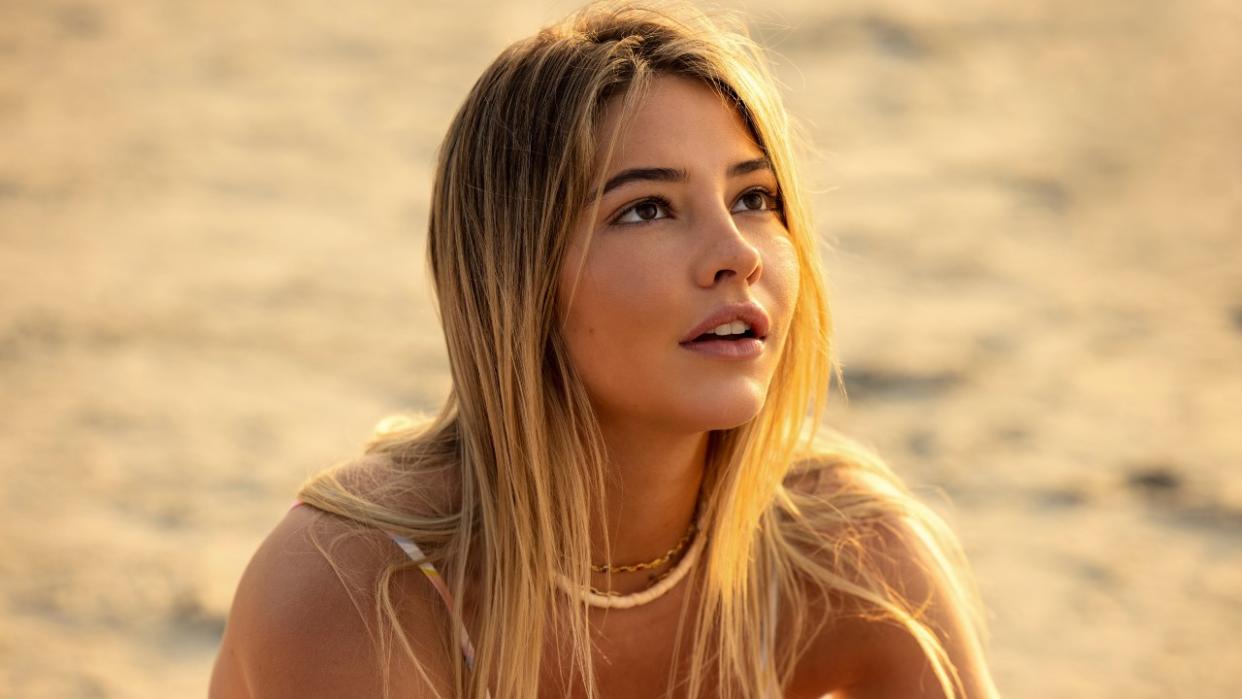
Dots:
(748, 312)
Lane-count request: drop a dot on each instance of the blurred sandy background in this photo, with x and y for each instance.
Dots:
(211, 284)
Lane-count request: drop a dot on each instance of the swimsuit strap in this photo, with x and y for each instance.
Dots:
(437, 581)
(416, 554)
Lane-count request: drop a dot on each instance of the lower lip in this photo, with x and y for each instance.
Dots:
(747, 348)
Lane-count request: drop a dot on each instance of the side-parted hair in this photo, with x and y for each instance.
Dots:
(499, 488)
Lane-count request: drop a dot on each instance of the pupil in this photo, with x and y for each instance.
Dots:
(754, 200)
(646, 211)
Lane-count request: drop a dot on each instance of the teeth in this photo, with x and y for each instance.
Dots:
(737, 327)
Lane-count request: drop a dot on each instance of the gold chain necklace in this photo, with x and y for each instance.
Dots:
(655, 563)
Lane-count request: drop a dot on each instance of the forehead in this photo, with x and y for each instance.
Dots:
(678, 121)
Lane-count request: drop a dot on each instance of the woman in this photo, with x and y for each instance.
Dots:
(624, 495)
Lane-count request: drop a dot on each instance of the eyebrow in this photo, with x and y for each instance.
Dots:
(666, 174)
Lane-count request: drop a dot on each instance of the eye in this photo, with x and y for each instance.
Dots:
(756, 200)
(645, 211)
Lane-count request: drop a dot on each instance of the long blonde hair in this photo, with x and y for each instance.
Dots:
(516, 445)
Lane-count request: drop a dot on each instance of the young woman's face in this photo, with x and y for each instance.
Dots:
(688, 227)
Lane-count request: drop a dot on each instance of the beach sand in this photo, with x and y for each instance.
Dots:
(212, 220)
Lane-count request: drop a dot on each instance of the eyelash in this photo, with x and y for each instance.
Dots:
(773, 201)
(657, 200)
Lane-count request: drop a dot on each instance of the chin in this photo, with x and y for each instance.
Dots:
(723, 410)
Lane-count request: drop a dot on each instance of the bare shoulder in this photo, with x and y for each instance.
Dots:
(304, 623)
(858, 652)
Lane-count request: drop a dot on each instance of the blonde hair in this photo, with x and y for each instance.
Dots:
(516, 446)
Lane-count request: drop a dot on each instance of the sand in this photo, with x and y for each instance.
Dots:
(212, 219)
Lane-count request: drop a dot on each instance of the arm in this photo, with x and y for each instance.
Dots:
(297, 629)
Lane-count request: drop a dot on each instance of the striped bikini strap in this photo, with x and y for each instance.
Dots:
(437, 581)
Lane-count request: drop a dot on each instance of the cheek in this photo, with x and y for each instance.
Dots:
(613, 324)
(783, 276)
(617, 299)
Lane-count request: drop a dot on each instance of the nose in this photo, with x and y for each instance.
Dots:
(727, 253)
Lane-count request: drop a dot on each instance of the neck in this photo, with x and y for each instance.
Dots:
(650, 500)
